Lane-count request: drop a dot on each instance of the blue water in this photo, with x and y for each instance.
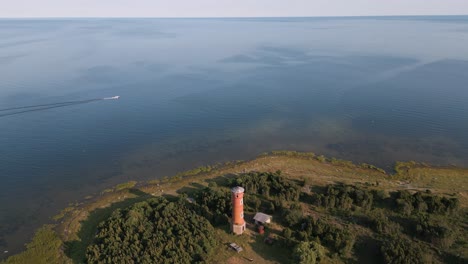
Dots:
(201, 91)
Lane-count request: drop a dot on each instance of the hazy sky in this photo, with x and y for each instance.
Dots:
(228, 8)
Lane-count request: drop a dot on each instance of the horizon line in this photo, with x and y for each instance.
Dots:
(207, 17)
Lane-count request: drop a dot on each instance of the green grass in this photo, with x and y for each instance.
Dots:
(63, 213)
(126, 185)
(43, 249)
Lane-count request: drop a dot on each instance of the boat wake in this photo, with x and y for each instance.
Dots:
(40, 107)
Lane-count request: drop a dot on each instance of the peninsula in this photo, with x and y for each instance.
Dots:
(307, 209)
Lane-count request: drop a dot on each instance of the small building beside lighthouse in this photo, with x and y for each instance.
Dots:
(237, 199)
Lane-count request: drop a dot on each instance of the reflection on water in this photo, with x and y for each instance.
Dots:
(200, 91)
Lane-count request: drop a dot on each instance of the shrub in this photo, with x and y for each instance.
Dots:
(400, 250)
(308, 253)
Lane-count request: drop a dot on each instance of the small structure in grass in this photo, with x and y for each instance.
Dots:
(261, 229)
(261, 218)
(269, 240)
(249, 259)
(235, 247)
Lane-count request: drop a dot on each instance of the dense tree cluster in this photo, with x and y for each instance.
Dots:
(420, 215)
(293, 215)
(345, 197)
(434, 231)
(399, 250)
(307, 236)
(418, 202)
(380, 223)
(269, 185)
(308, 253)
(154, 231)
(333, 236)
(214, 205)
(408, 227)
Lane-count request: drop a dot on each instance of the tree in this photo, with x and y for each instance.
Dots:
(398, 250)
(268, 185)
(256, 202)
(292, 217)
(211, 203)
(271, 207)
(308, 253)
(287, 233)
(336, 238)
(345, 197)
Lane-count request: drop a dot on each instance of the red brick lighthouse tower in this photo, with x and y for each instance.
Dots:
(237, 198)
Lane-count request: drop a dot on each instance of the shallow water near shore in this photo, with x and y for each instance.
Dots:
(200, 91)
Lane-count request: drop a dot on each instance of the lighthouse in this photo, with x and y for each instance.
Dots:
(237, 198)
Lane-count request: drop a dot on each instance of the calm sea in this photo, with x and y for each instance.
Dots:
(200, 91)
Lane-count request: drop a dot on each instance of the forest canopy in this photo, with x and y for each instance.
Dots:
(154, 231)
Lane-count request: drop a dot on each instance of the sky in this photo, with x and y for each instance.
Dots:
(228, 8)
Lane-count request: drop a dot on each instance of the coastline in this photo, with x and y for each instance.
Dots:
(77, 223)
